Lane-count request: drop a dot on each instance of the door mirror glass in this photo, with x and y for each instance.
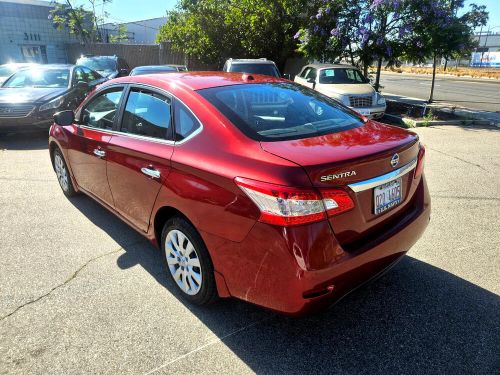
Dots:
(64, 118)
(124, 72)
(311, 80)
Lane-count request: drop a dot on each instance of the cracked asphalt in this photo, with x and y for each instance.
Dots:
(80, 292)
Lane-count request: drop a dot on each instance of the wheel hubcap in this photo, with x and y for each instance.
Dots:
(61, 173)
(183, 262)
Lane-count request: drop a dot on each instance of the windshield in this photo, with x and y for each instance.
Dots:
(341, 76)
(266, 69)
(103, 64)
(280, 111)
(56, 78)
(6, 70)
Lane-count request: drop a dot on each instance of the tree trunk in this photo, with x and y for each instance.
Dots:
(431, 97)
(351, 54)
(445, 64)
(377, 78)
(365, 69)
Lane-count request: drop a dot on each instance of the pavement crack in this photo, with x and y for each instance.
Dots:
(68, 280)
(462, 160)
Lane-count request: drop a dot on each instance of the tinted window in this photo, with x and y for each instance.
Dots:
(185, 122)
(278, 111)
(340, 75)
(53, 78)
(90, 75)
(100, 112)
(266, 69)
(304, 72)
(146, 113)
(99, 64)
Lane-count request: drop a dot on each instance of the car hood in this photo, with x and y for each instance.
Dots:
(29, 94)
(346, 89)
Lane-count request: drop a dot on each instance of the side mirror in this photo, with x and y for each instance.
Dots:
(64, 118)
(287, 76)
(82, 85)
(313, 81)
(124, 72)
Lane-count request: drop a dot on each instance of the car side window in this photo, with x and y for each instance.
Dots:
(79, 75)
(185, 122)
(147, 113)
(89, 75)
(311, 74)
(304, 72)
(101, 110)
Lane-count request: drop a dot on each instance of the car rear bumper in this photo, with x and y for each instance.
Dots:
(300, 269)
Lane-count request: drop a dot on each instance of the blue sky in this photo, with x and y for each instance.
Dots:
(134, 10)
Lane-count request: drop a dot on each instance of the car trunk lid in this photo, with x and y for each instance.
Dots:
(350, 159)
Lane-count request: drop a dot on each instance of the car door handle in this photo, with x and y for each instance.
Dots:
(151, 172)
(99, 153)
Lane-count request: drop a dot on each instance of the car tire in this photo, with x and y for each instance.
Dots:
(62, 173)
(188, 262)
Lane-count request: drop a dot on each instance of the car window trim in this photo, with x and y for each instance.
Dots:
(121, 107)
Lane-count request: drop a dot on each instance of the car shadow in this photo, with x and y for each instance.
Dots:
(36, 139)
(416, 319)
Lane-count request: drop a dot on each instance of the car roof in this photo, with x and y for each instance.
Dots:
(252, 61)
(156, 67)
(324, 66)
(198, 80)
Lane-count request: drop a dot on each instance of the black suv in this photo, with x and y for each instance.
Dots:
(107, 66)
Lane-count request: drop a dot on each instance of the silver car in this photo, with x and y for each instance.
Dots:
(346, 84)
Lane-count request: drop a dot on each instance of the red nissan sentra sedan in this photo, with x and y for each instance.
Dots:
(252, 186)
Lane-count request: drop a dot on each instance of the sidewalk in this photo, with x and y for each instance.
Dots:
(493, 117)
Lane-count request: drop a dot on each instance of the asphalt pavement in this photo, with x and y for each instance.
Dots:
(478, 94)
(81, 293)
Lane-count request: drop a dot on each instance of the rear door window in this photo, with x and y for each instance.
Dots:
(185, 122)
(147, 113)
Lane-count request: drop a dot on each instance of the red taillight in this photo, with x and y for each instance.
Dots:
(420, 162)
(283, 205)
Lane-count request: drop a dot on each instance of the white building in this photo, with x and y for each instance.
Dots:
(28, 35)
(138, 32)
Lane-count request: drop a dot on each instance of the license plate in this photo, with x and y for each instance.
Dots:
(363, 112)
(386, 196)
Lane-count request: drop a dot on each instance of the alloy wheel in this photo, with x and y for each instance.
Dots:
(183, 262)
(61, 172)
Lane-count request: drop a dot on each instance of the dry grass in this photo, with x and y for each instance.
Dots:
(460, 72)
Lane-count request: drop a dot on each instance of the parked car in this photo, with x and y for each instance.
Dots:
(6, 70)
(346, 84)
(252, 187)
(179, 68)
(252, 66)
(107, 66)
(152, 69)
(31, 96)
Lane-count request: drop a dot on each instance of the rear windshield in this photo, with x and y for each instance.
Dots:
(265, 69)
(99, 64)
(341, 75)
(280, 111)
